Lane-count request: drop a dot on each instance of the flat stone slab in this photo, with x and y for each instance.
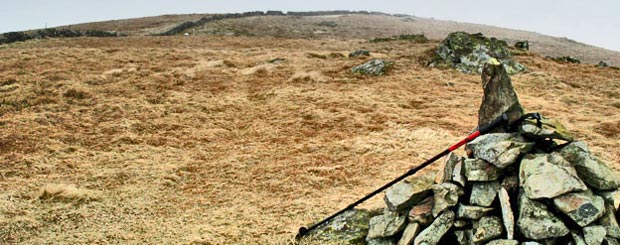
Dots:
(582, 207)
(433, 233)
(548, 176)
(409, 234)
(483, 193)
(380, 241)
(594, 235)
(507, 216)
(487, 228)
(500, 149)
(550, 129)
(403, 195)
(422, 213)
(592, 170)
(471, 212)
(445, 195)
(480, 170)
(503, 242)
(536, 222)
(386, 225)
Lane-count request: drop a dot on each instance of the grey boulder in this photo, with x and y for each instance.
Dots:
(592, 170)
(536, 222)
(594, 235)
(375, 67)
(548, 176)
(445, 195)
(487, 228)
(433, 233)
(483, 193)
(386, 225)
(480, 170)
(500, 149)
(403, 195)
(581, 207)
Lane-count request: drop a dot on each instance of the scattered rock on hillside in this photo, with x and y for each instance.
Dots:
(330, 24)
(564, 59)
(602, 64)
(522, 45)
(418, 38)
(375, 67)
(469, 52)
(361, 52)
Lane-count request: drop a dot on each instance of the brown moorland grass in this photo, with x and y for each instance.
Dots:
(181, 145)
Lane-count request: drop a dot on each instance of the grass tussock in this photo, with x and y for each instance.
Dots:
(308, 76)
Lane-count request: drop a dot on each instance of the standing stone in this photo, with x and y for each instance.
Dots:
(471, 212)
(581, 207)
(483, 193)
(480, 170)
(403, 194)
(499, 96)
(409, 234)
(448, 168)
(500, 149)
(507, 215)
(610, 222)
(422, 213)
(458, 175)
(536, 222)
(548, 176)
(594, 235)
(487, 228)
(592, 170)
(432, 234)
(445, 195)
(386, 225)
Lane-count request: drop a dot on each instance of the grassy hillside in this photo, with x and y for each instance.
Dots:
(200, 140)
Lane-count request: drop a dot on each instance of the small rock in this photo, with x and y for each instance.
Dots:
(610, 222)
(581, 207)
(409, 234)
(602, 64)
(361, 52)
(510, 183)
(448, 168)
(480, 170)
(459, 223)
(548, 176)
(464, 237)
(458, 175)
(503, 242)
(386, 225)
(611, 197)
(592, 170)
(432, 234)
(422, 213)
(578, 238)
(550, 129)
(594, 235)
(380, 241)
(374, 67)
(611, 241)
(471, 212)
(522, 45)
(483, 193)
(507, 215)
(536, 222)
(500, 149)
(564, 59)
(445, 195)
(351, 227)
(403, 195)
(487, 228)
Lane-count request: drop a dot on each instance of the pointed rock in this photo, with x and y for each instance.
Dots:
(432, 234)
(581, 207)
(536, 222)
(458, 175)
(483, 193)
(448, 168)
(507, 215)
(445, 195)
(594, 235)
(548, 176)
(403, 195)
(480, 170)
(409, 234)
(487, 228)
(499, 96)
(386, 225)
(422, 213)
(501, 149)
(471, 212)
(592, 170)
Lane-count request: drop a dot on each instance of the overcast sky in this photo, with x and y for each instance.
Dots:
(595, 22)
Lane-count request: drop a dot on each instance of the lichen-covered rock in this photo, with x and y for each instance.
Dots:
(381, 241)
(507, 216)
(471, 212)
(463, 237)
(611, 197)
(581, 207)
(503, 242)
(483, 193)
(536, 222)
(448, 168)
(602, 64)
(522, 45)
(487, 228)
(592, 170)
(360, 52)
(386, 225)
(480, 170)
(468, 53)
(351, 227)
(422, 213)
(458, 174)
(375, 67)
(500, 149)
(594, 235)
(409, 234)
(564, 59)
(499, 96)
(445, 195)
(403, 195)
(610, 222)
(550, 129)
(433, 233)
(577, 238)
(548, 176)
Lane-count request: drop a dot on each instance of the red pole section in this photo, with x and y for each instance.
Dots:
(464, 141)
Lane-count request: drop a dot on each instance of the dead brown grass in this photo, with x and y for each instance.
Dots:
(182, 151)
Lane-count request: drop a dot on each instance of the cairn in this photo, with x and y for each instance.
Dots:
(533, 184)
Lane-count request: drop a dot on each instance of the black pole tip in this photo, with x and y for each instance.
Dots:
(302, 232)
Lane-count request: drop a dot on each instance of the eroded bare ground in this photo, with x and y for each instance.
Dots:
(181, 140)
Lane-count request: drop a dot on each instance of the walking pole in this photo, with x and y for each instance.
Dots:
(303, 231)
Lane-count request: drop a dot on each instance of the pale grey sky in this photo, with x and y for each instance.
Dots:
(595, 22)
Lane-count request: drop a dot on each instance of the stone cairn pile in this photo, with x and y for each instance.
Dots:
(531, 185)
